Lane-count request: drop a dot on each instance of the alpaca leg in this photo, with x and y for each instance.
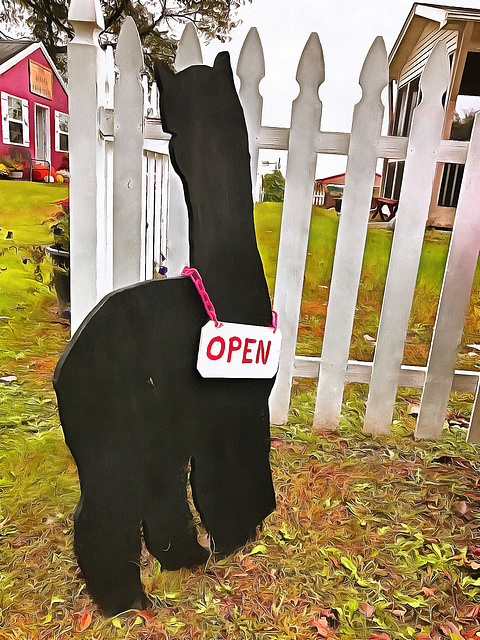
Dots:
(108, 545)
(232, 489)
(169, 531)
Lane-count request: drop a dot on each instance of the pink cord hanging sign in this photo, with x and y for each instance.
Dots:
(231, 350)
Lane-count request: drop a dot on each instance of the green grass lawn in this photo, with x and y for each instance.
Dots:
(318, 269)
(373, 538)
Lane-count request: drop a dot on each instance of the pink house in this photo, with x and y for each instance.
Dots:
(34, 103)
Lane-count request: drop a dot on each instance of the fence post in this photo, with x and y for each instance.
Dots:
(407, 243)
(106, 90)
(454, 298)
(250, 70)
(86, 212)
(178, 249)
(347, 265)
(128, 158)
(297, 210)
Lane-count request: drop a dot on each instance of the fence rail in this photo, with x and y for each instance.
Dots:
(128, 212)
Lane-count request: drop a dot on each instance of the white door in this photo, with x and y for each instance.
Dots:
(42, 133)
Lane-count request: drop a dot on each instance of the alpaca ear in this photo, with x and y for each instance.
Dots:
(163, 74)
(222, 61)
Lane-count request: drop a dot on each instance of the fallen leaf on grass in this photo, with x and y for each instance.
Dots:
(259, 548)
(86, 620)
(327, 613)
(174, 625)
(366, 609)
(428, 591)
(414, 409)
(398, 612)
(204, 541)
(462, 507)
(4, 521)
(146, 615)
(321, 625)
(449, 628)
(473, 613)
(380, 636)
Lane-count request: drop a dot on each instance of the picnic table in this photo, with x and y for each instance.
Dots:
(392, 206)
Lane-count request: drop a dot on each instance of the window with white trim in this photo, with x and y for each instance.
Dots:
(61, 131)
(15, 128)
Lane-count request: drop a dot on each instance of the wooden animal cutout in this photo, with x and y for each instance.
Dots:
(137, 416)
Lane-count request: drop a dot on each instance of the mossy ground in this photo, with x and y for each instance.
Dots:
(372, 538)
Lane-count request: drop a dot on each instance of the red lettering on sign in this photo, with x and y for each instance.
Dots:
(247, 350)
(210, 355)
(261, 353)
(234, 344)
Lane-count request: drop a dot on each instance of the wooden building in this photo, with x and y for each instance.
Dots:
(459, 28)
(34, 102)
(328, 190)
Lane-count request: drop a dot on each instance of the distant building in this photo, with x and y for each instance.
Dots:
(328, 190)
(459, 28)
(34, 102)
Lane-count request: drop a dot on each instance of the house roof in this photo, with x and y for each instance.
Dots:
(342, 175)
(10, 48)
(420, 15)
(24, 48)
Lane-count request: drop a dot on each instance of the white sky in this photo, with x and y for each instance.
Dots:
(346, 28)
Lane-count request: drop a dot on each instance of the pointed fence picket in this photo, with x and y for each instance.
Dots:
(347, 266)
(126, 180)
(454, 298)
(127, 159)
(251, 70)
(297, 209)
(407, 243)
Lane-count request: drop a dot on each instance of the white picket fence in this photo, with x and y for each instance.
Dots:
(127, 210)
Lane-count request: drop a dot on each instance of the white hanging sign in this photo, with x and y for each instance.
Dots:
(238, 351)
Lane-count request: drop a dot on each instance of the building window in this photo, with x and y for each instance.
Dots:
(467, 104)
(15, 129)
(451, 182)
(61, 131)
(393, 180)
(407, 99)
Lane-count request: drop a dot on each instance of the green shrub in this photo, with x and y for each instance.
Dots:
(273, 186)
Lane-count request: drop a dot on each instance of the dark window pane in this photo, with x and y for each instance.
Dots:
(412, 102)
(16, 132)
(470, 84)
(398, 180)
(63, 142)
(450, 185)
(387, 192)
(400, 110)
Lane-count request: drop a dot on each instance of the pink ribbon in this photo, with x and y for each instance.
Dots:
(207, 303)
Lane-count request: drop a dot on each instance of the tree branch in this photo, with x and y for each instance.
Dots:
(51, 16)
(113, 17)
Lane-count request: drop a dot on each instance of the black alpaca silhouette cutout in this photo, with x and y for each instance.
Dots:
(134, 410)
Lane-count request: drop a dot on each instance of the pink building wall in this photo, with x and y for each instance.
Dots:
(15, 81)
